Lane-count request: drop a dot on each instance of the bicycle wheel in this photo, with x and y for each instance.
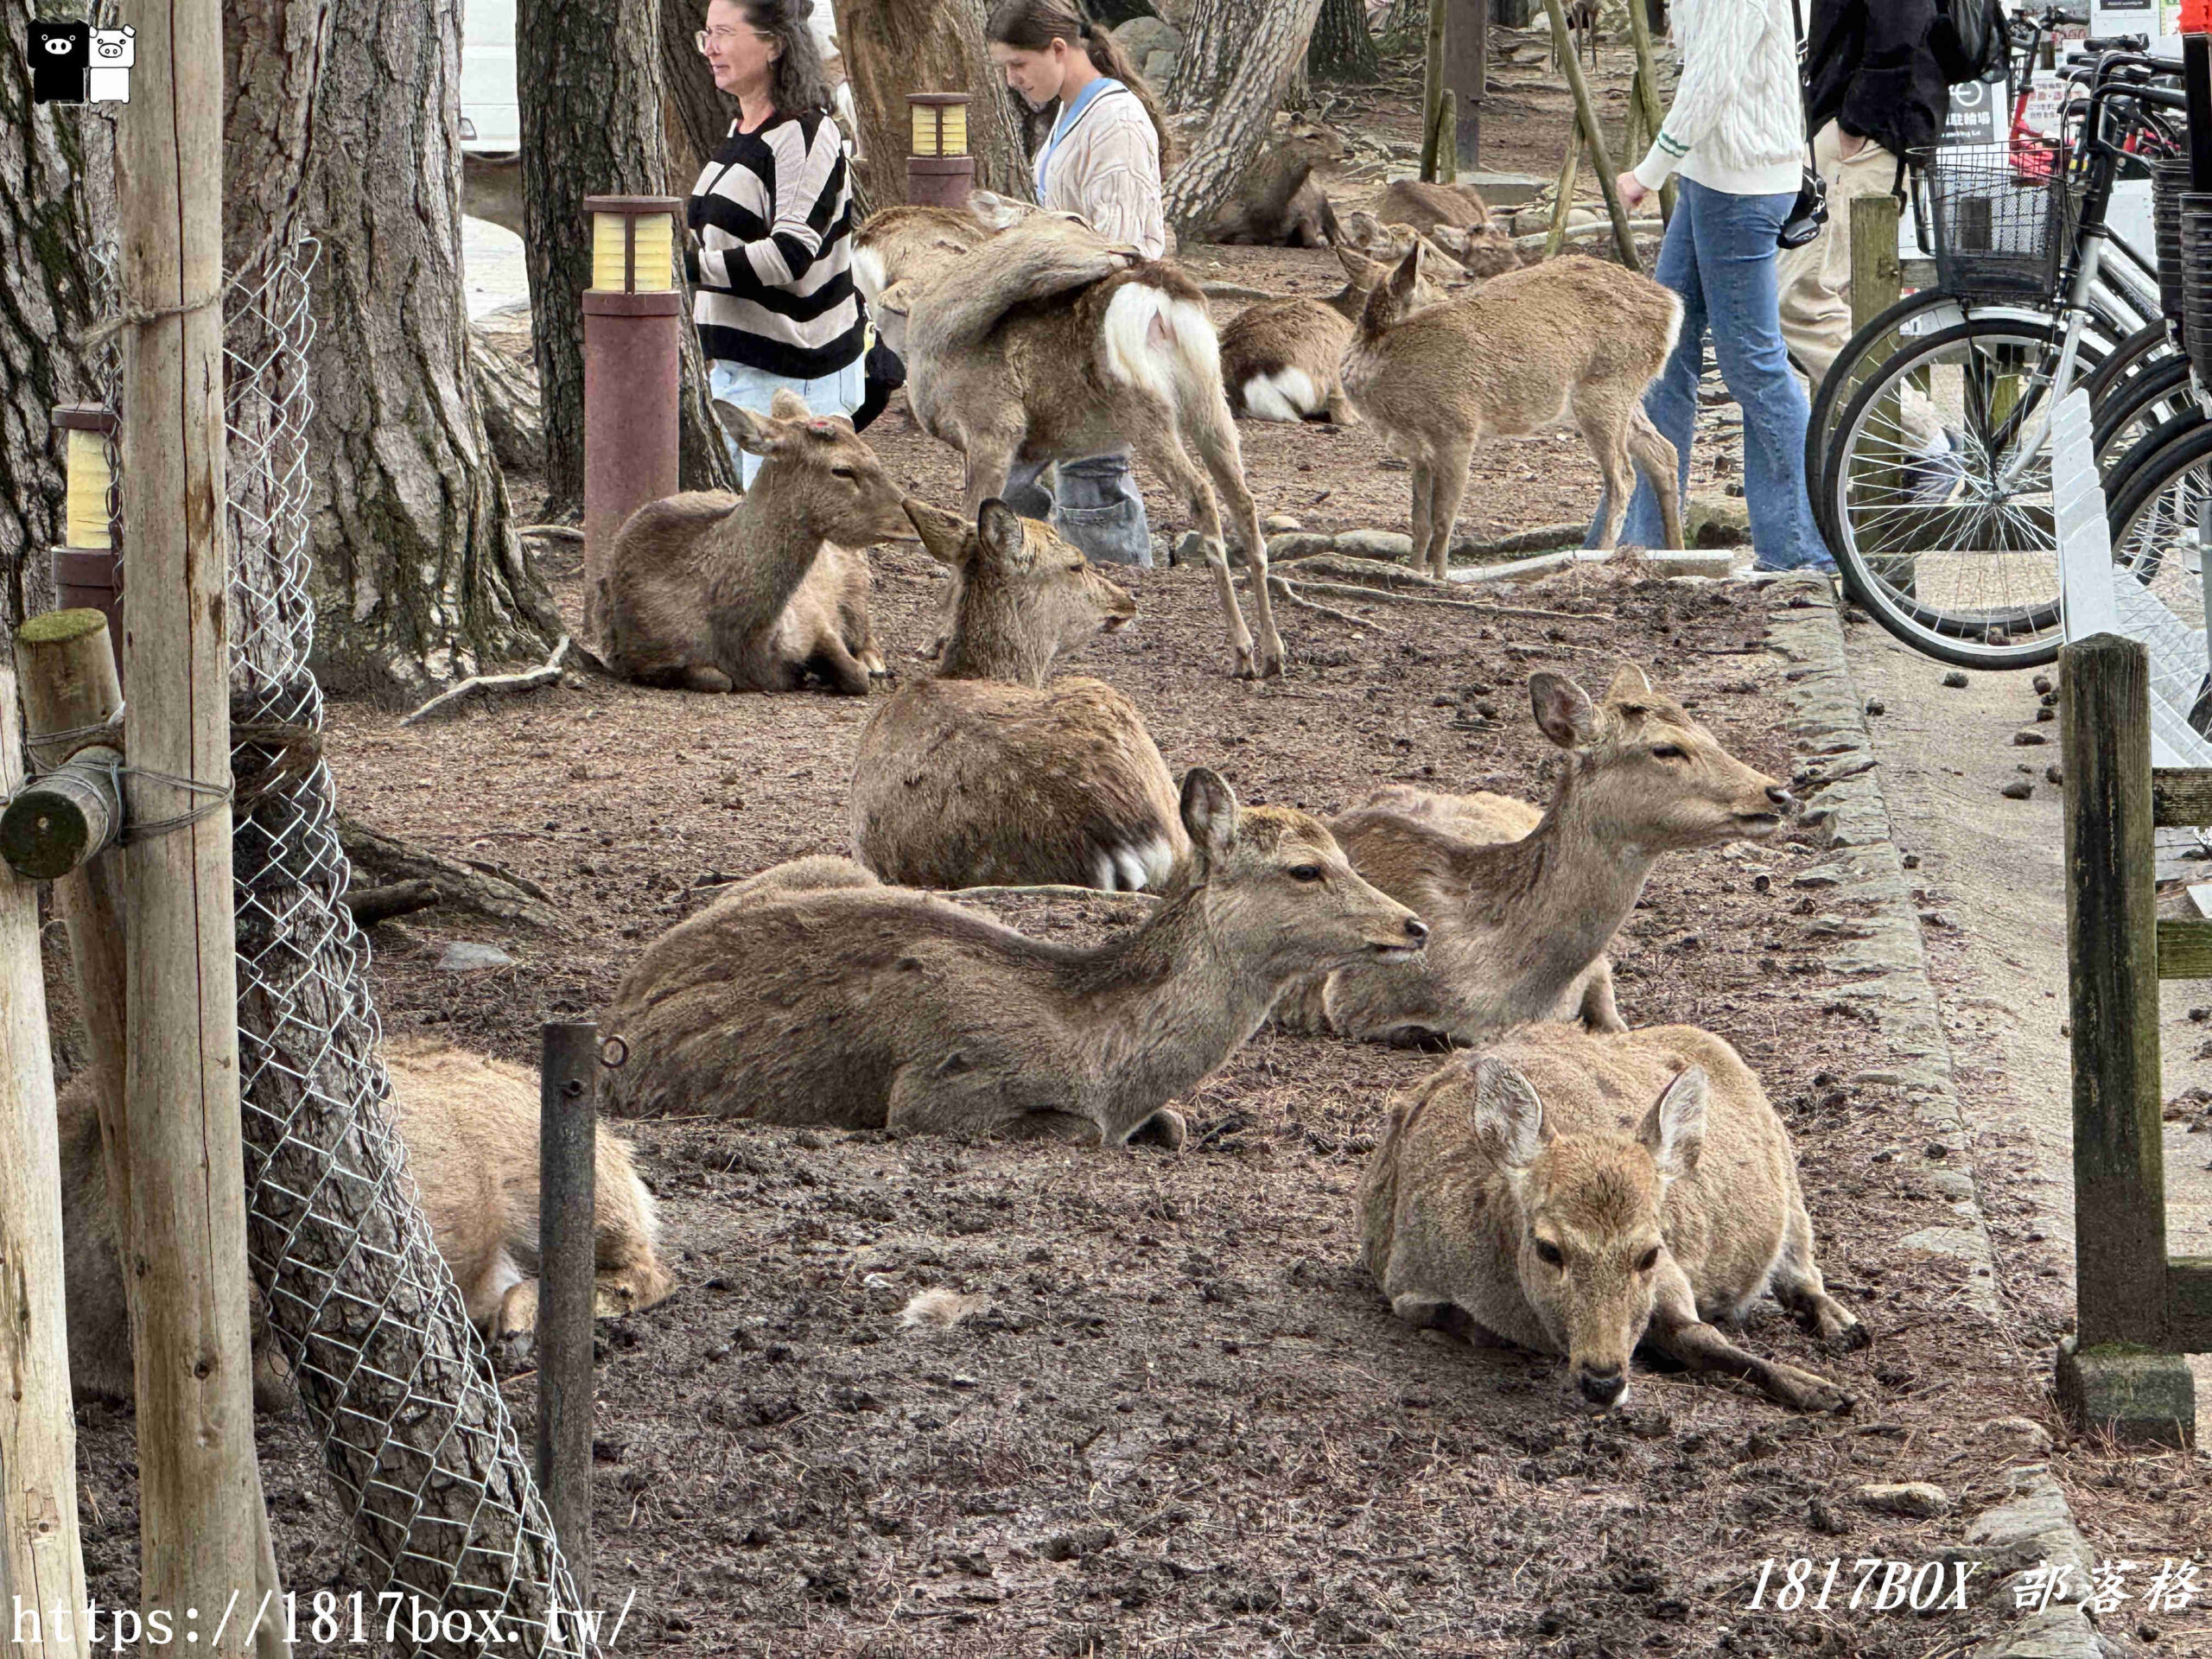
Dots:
(2161, 522)
(2138, 408)
(2149, 346)
(1949, 556)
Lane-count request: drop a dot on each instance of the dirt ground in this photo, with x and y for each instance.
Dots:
(1184, 1422)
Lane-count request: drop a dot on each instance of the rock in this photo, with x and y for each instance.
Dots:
(1160, 66)
(2028, 740)
(1389, 545)
(2018, 789)
(1191, 550)
(1297, 545)
(2017, 1437)
(1073, 1545)
(1280, 523)
(1143, 36)
(1716, 521)
(2054, 775)
(1954, 681)
(1713, 563)
(2045, 713)
(466, 956)
(1913, 1497)
(2041, 683)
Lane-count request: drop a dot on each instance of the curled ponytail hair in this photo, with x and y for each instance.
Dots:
(1033, 25)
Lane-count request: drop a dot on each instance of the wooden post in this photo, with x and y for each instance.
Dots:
(2120, 1189)
(184, 1255)
(42, 1560)
(1556, 236)
(1594, 136)
(1432, 88)
(1644, 94)
(568, 1140)
(1447, 153)
(1877, 278)
(1466, 70)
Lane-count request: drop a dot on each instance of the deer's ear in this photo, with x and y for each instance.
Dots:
(1564, 711)
(994, 211)
(945, 535)
(998, 527)
(1209, 812)
(755, 433)
(1509, 1118)
(1406, 277)
(1673, 1129)
(788, 405)
(1359, 271)
(1631, 684)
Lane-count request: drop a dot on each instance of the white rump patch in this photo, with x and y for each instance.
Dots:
(1286, 395)
(1159, 343)
(942, 1308)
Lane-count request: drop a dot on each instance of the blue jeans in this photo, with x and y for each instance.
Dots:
(1719, 256)
(1099, 511)
(754, 389)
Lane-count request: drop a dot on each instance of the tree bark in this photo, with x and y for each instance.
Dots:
(1406, 21)
(694, 112)
(893, 47)
(1237, 54)
(47, 297)
(1341, 49)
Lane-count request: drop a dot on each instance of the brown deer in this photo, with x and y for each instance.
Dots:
(1518, 923)
(1048, 343)
(1569, 338)
(985, 773)
(1428, 206)
(707, 591)
(1279, 202)
(868, 1007)
(1580, 1194)
(901, 248)
(470, 1127)
(1280, 358)
(1582, 32)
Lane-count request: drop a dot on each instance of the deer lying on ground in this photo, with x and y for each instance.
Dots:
(1479, 252)
(1578, 1194)
(986, 774)
(1279, 202)
(470, 1127)
(1571, 337)
(1456, 219)
(707, 591)
(1048, 343)
(1280, 358)
(1516, 924)
(864, 1006)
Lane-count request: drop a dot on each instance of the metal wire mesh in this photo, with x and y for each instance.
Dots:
(391, 1372)
(1997, 217)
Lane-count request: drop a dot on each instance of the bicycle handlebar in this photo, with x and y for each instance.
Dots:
(2116, 43)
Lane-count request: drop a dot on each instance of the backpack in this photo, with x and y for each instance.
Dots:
(1971, 40)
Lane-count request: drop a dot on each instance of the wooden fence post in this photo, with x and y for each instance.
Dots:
(567, 1142)
(1432, 88)
(184, 1255)
(1644, 94)
(42, 1560)
(1466, 61)
(1585, 110)
(1877, 278)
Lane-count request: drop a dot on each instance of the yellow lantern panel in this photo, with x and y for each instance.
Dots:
(88, 522)
(925, 129)
(656, 267)
(656, 252)
(955, 129)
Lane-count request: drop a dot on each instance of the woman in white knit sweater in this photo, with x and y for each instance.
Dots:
(1735, 139)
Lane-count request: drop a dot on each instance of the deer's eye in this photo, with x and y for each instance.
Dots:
(846, 472)
(1549, 1253)
(1306, 872)
(1670, 752)
(1648, 1260)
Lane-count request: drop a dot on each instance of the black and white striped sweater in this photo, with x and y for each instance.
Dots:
(773, 214)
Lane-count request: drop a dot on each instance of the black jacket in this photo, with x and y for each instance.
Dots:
(1869, 67)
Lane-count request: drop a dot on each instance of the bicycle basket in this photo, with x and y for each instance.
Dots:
(2193, 215)
(2169, 181)
(1997, 217)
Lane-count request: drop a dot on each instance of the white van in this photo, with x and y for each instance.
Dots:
(491, 115)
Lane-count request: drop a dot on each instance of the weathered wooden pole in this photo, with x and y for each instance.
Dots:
(184, 1255)
(1432, 88)
(1644, 94)
(1466, 73)
(1585, 110)
(1877, 278)
(568, 1139)
(42, 1560)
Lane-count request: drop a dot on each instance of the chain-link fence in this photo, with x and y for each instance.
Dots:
(390, 1371)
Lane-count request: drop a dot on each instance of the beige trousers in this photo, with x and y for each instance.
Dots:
(1815, 279)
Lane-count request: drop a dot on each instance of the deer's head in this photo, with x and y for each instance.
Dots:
(1026, 595)
(822, 464)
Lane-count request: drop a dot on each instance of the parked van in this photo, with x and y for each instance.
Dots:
(491, 114)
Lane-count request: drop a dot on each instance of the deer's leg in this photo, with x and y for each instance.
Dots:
(1424, 505)
(1161, 451)
(848, 677)
(1659, 461)
(1448, 483)
(1605, 429)
(1216, 433)
(1676, 1328)
(1599, 1012)
(1798, 1286)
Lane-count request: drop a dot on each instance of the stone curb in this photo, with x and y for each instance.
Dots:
(1885, 966)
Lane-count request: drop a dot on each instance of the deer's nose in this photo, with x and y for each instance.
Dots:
(1601, 1384)
(1416, 930)
(1780, 795)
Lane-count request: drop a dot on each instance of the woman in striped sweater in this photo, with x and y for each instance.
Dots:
(775, 303)
(1735, 138)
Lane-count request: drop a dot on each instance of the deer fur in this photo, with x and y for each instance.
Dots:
(1570, 338)
(897, 250)
(1516, 924)
(707, 591)
(1426, 206)
(867, 1007)
(1454, 220)
(470, 1127)
(1580, 1194)
(1048, 343)
(1280, 358)
(1279, 202)
(985, 773)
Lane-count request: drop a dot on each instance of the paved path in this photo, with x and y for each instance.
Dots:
(491, 267)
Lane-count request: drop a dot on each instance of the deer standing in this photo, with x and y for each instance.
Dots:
(986, 774)
(1580, 1194)
(866, 1006)
(1570, 338)
(1280, 358)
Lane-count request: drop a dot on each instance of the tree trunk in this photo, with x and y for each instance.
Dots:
(48, 296)
(694, 112)
(1341, 49)
(1406, 22)
(893, 47)
(1236, 56)
(420, 580)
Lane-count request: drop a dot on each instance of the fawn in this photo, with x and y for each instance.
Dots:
(985, 773)
(1280, 358)
(1578, 1194)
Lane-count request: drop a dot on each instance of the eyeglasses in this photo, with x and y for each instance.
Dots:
(706, 37)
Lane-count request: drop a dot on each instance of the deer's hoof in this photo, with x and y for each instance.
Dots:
(1850, 1338)
(1803, 1391)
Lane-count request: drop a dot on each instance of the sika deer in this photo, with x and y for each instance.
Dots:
(710, 591)
(1510, 1200)
(1516, 924)
(1522, 351)
(470, 1127)
(868, 1007)
(986, 774)
(1279, 202)
(1280, 359)
(1427, 205)
(1050, 344)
